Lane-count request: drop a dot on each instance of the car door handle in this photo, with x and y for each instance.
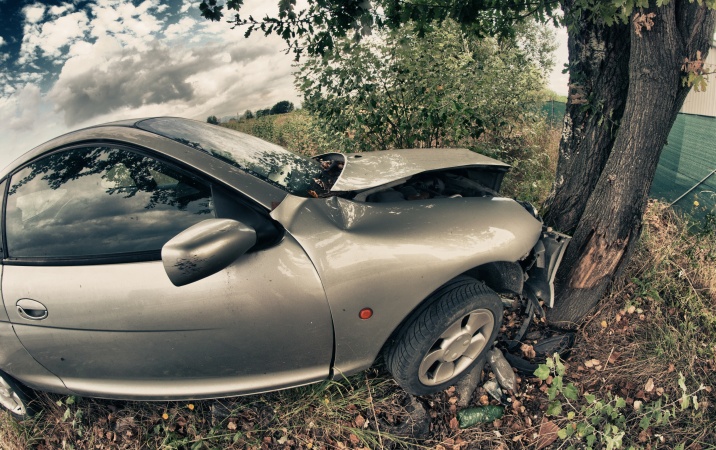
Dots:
(31, 309)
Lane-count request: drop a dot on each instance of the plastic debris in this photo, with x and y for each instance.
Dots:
(479, 414)
(493, 389)
(502, 369)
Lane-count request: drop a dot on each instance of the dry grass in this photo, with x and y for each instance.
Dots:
(659, 321)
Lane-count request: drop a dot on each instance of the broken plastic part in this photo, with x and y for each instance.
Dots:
(548, 254)
(493, 389)
(502, 369)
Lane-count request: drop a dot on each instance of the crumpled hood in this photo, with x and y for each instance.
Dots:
(372, 169)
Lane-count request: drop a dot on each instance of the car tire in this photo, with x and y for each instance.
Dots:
(444, 339)
(14, 398)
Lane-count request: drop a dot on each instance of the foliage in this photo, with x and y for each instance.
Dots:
(248, 114)
(263, 112)
(606, 422)
(680, 276)
(317, 29)
(397, 91)
(296, 131)
(212, 120)
(282, 107)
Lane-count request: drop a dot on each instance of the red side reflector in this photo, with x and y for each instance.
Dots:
(365, 313)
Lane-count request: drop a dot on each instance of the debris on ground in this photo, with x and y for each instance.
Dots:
(502, 369)
(480, 414)
(467, 385)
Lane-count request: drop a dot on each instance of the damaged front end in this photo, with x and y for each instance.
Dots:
(424, 174)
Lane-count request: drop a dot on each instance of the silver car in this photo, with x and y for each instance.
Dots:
(166, 258)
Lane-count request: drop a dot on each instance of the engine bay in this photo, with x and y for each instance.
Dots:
(473, 181)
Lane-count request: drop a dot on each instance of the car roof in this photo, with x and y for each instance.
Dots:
(126, 131)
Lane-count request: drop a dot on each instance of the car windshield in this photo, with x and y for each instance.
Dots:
(267, 161)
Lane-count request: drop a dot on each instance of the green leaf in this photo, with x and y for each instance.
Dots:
(645, 422)
(570, 415)
(590, 398)
(570, 391)
(684, 402)
(554, 408)
(682, 382)
(560, 369)
(557, 382)
(590, 440)
(542, 372)
(562, 434)
(552, 392)
(620, 402)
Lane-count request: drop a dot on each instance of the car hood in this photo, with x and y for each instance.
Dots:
(372, 169)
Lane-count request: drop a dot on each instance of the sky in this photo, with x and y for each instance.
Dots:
(65, 65)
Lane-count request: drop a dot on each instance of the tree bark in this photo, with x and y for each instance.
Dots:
(610, 225)
(598, 84)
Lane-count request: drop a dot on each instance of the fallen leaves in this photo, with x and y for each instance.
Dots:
(547, 434)
(528, 351)
(649, 385)
(593, 363)
(360, 421)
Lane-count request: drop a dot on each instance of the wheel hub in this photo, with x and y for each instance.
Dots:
(457, 348)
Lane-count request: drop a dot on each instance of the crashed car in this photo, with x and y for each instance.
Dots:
(165, 258)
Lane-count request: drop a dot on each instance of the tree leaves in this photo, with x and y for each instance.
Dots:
(399, 91)
(316, 28)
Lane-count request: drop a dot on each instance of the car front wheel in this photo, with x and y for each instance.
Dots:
(13, 398)
(445, 338)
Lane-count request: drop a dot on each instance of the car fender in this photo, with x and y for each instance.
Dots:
(391, 256)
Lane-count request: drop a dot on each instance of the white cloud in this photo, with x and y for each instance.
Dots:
(27, 121)
(50, 38)
(61, 9)
(119, 61)
(34, 13)
(2, 41)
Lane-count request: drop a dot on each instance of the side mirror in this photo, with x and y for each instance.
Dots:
(205, 248)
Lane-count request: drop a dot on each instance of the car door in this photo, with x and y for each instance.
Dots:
(88, 296)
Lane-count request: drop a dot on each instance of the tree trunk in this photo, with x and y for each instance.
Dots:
(598, 80)
(610, 225)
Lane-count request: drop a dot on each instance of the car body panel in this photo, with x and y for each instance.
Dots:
(3, 313)
(398, 253)
(124, 331)
(371, 169)
(16, 361)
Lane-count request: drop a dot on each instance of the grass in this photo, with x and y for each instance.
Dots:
(331, 414)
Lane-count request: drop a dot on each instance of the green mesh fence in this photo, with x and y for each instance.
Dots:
(688, 158)
(554, 111)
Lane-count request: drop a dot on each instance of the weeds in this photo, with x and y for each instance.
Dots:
(334, 413)
(605, 421)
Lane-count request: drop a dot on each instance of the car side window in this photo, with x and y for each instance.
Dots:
(100, 201)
